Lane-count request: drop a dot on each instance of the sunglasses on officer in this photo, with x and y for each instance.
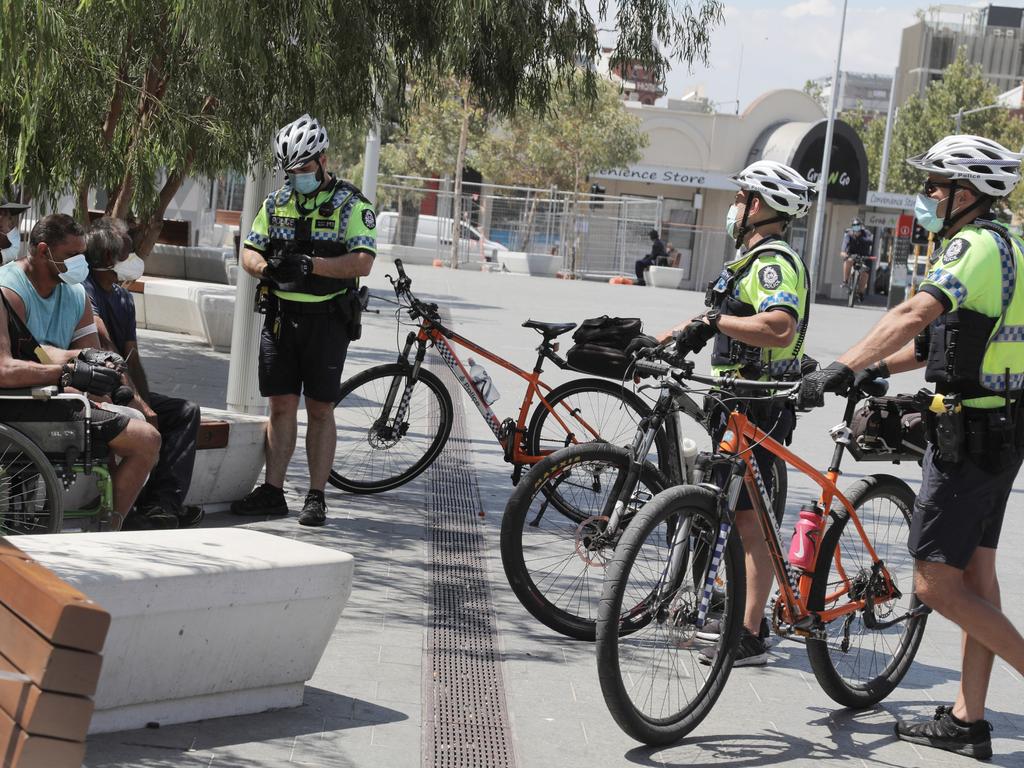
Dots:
(930, 186)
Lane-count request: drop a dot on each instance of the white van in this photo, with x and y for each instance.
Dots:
(435, 233)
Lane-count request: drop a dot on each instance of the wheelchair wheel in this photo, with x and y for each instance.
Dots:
(31, 496)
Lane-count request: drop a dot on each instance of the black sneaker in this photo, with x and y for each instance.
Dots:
(752, 652)
(263, 501)
(713, 628)
(314, 511)
(190, 516)
(151, 518)
(942, 732)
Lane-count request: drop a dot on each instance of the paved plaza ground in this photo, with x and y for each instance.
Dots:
(364, 706)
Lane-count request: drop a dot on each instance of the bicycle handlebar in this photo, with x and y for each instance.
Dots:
(653, 367)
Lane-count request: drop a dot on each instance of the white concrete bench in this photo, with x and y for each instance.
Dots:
(666, 277)
(229, 459)
(535, 264)
(204, 622)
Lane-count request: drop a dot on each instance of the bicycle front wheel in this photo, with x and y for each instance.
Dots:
(659, 679)
(554, 539)
(584, 410)
(31, 496)
(378, 447)
(857, 665)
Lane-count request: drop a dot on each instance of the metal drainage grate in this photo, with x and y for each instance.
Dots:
(464, 707)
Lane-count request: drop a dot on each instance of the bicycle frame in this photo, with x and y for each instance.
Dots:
(740, 437)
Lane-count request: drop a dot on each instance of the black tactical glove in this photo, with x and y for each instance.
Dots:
(877, 371)
(288, 268)
(87, 377)
(693, 337)
(103, 357)
(836, 378)
(641, 342)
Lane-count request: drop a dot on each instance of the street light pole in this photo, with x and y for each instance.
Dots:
(959, 114)
(883, 174)
(819, 213)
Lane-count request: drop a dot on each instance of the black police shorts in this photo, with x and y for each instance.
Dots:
(104, 425)
(303, 354)
(959, 508)
(777, 422)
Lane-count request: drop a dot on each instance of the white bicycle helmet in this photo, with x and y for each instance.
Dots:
(299, 142)
(780, 186)
(987, 165)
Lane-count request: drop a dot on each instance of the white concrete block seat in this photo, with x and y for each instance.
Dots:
(666, 277)
(204, 622)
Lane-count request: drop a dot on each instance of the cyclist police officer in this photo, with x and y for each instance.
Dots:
(857, 244)
(971, 310)
(310, 243)
(758, 320)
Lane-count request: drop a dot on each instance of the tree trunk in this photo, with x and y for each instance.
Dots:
(153, 89)
(150, 230)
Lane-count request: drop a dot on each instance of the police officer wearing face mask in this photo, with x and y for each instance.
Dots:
(857, 245)
(10, 237)
(758, 321)
(966, 328)
(161, 504)
(309, 245)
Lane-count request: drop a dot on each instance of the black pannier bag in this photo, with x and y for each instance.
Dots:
(600, 347)
(888, 429)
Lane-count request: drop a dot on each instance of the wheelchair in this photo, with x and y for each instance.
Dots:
(42, 454)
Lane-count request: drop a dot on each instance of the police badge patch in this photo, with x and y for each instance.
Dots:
(955, 250)
(770, 277)
(369, 220)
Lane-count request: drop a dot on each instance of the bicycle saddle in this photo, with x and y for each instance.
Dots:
(549, 330)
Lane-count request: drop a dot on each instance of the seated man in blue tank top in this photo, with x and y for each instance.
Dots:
(45, 294)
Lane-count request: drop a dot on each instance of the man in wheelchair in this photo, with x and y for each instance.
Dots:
(48, 337)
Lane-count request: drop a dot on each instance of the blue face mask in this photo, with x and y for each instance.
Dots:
(926, 213)
(304, 183)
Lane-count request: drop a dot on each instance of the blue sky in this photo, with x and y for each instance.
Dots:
(787, 42)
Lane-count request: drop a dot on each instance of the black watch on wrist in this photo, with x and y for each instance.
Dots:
(712, 317)
(65, 375)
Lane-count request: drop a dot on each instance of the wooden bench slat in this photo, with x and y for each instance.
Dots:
(213, 434)
(43, 713)
(19, 749)
(51, 668)
(55, 609)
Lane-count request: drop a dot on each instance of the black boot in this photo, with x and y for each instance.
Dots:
(314, 511)
(263, 501)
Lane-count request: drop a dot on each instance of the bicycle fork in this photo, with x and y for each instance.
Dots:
(410, 382)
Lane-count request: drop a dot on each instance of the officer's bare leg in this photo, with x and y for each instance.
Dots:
(947, 590)
(138, 447)
(846, 271)
(281, 433)
(759, 571)
(862, 282)
(321, 441)
(980, 577)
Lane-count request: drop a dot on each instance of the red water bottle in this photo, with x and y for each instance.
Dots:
(803, 549)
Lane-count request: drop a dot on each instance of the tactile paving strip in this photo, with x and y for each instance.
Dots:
(464, 710)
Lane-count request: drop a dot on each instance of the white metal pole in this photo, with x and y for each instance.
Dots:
(243, 394)
(890, 120)
(371, 162)
(819, 214)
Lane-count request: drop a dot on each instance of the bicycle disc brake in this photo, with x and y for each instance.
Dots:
(591, 546)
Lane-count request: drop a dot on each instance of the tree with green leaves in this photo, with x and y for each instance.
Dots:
(133, 96)
(922, 121)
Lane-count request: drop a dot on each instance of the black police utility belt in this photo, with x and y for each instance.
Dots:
(728, 351)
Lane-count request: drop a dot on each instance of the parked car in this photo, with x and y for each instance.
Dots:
(435, 233)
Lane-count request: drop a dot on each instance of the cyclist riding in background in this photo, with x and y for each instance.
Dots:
(857, 244)
(758, 320)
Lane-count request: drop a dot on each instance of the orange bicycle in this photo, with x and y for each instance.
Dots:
(394, 420)
(677, 566)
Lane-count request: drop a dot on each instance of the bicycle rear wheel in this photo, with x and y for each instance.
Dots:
(31, 496)
(376, 452)
(858, 666)
(652, 680)
(553, 544)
